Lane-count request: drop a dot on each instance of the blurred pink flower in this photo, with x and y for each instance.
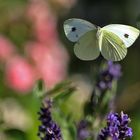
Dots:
(50, 62)
(44, 21)
(38, 10)
(19, 74)
(49, 58)
(6, 48)
(45, 31)
(47, 53)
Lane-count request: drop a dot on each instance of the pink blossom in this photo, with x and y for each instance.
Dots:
(45, 31)
(50, 61)
(53, 66)
(19, 74)
(6, 49)
(49, 58)
(44, 21)
(38, 10)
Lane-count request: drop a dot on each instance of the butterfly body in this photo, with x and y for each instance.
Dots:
(111, 41)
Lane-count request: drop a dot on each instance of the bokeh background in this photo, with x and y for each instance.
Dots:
(33, 46)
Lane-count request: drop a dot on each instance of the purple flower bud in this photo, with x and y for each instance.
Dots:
(82, 130)
(48, 130)
(114, 69)
(129, 132)
(112, 72)
(117, 127)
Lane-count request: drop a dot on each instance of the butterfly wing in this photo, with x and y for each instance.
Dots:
(126, 33)
(87, 47)
(74, 28)
(111, 46)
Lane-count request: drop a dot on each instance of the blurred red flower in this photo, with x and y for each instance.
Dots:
(19, 74)
(44, 21)
(50, 62)
(47, 53)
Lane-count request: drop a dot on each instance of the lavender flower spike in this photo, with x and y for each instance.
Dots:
(82, 130)
(117, 127)
(112, 72)
(48, 130)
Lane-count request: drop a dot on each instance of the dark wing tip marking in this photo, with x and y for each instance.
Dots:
(126, 35)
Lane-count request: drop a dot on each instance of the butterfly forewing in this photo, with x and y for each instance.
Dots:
(87, 46)
(111, 46)
(74, 28)
(126, 33)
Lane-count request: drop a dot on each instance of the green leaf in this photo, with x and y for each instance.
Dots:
(65, 94)
(72, 131)
(39, 89)
(15, 134)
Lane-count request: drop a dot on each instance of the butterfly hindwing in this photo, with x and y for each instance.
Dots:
(87, 46)
(74, 28)
(111, 46)
(126, 33)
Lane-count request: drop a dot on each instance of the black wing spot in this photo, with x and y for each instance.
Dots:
(126, 35)
(73, 29)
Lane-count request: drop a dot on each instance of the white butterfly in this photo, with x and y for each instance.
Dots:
(111, 40)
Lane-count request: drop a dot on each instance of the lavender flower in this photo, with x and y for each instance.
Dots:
(82, 131)
(117, 127)
(113, 72)
(48, 130)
